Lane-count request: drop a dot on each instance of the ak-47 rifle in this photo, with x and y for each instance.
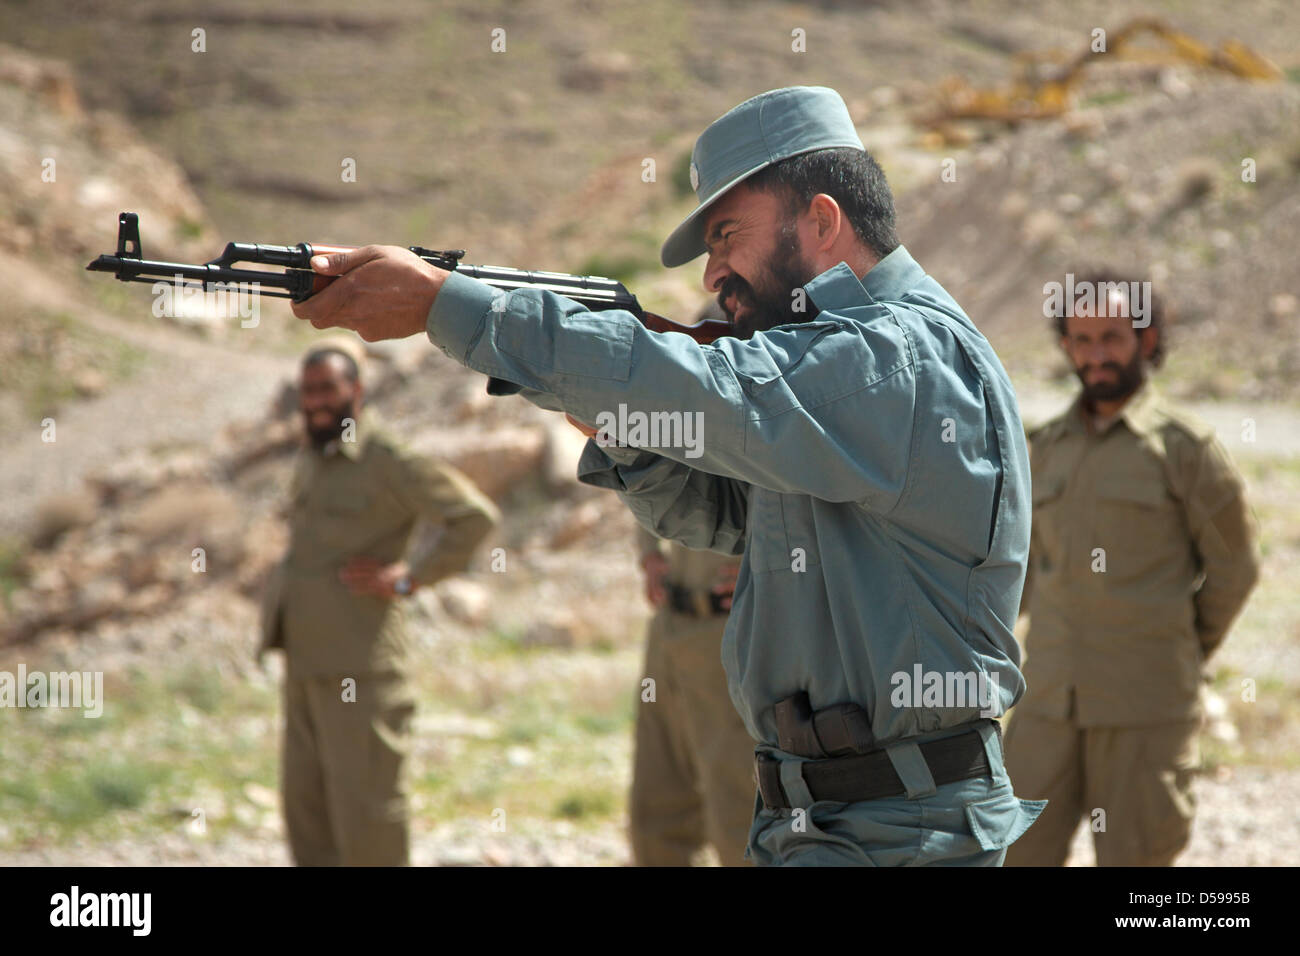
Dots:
(298, 282)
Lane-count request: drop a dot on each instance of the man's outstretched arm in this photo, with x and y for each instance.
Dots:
(838, 427)
(389, 293)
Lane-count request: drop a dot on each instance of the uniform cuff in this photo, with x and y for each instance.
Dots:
(456, 317)
(599, 466)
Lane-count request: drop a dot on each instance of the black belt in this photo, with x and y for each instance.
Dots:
(695, 603)
(871, 776)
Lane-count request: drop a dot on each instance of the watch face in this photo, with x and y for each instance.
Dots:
(403, 586)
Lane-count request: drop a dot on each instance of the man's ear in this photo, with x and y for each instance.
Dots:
(1148, 339)
(829, 220)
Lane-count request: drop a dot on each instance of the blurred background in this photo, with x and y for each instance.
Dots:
(1175, 155)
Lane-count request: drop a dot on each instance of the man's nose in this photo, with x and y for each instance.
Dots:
(716, 272)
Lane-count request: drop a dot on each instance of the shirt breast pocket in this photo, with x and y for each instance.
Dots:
(345, 515)
(346, 503)
(1138, 526)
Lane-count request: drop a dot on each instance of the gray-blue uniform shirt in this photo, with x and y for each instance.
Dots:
(870, 465)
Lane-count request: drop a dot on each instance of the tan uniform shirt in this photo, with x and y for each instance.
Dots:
(1154, 499)
(363, 499)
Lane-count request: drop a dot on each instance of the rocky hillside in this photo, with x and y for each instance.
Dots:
(1151, 184)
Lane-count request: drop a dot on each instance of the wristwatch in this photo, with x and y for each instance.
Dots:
(403, 585)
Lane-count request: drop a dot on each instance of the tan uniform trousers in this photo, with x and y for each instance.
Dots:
(343, 785)
(1139, 776)
(693, 773)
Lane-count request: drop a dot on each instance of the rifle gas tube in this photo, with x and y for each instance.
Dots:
(298, 282)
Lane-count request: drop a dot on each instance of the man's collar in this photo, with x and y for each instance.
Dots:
(1139, 412)
(888, 280)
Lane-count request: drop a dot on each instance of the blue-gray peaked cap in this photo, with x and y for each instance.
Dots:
(759, 132)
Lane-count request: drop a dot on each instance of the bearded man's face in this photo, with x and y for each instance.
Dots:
(327, 397)
(1106, 352)
(755, 255)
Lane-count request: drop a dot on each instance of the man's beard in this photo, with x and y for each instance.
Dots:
(1128, 380)
(320, 437)
(774, 302)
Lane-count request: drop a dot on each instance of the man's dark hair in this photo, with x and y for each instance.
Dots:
(849, 176)
(350, 370)
(1154, 305)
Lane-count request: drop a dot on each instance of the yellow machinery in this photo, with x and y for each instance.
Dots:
(1041, 92)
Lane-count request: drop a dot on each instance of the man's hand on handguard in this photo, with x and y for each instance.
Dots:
(381, 292)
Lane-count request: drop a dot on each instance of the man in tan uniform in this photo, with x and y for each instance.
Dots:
(693, 772)
(1142, 553)
(335, 605)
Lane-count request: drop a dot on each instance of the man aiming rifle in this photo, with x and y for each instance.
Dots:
(865, 455)
(862, 449)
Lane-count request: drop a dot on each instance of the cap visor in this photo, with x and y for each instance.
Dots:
(687, 240)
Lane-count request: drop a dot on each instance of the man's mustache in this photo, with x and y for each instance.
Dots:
(335, 426)
(737, 287)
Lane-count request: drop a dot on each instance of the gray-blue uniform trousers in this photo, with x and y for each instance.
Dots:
(871, 467)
